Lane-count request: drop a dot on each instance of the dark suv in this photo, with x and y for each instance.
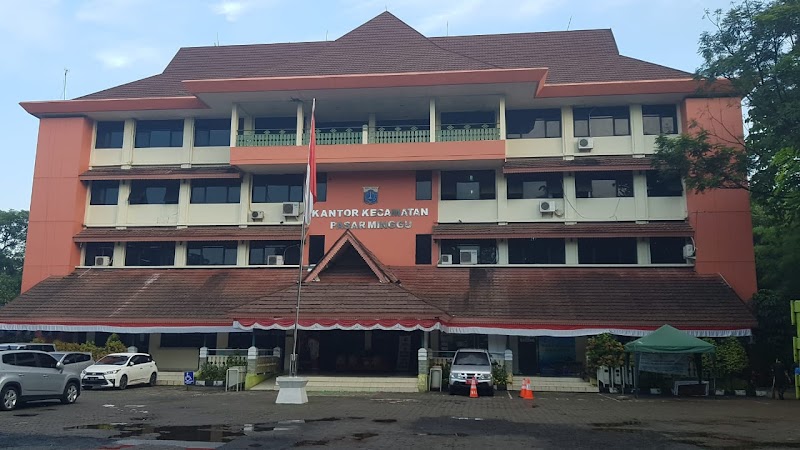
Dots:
(27, 375)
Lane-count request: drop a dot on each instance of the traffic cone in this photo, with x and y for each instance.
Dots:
(473, 389)
(528, 390)
(524, 388)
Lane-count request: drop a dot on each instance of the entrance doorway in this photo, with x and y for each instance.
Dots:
(360, 352)
(528, 355)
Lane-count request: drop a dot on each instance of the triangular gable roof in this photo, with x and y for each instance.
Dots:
(345, 241)
(668, 339)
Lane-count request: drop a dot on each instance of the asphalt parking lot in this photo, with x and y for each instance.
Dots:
(172, 417)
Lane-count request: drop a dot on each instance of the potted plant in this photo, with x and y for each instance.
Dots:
(210, 375)
(604, 350)
(499, 376)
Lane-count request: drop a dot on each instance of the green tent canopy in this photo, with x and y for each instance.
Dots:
(669, 340)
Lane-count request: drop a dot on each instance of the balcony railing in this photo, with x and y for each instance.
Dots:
(380, 135)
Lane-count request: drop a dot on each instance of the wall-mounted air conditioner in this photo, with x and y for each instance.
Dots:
(585, 144)
(446, 260)
(547, 206)
(257, 215)
(291, 209)
(688, 251)
(468, 257)
(104, 261)
(274, 260)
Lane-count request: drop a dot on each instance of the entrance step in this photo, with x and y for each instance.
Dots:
(351, 384)
(555, 384)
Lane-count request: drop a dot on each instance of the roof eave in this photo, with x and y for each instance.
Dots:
(59, 108)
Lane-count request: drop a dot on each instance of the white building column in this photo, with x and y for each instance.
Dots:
(180, 254)
(234, 124)
(640, 196)
(128, 141)
(184, 196)
(571, 251)
(118, 260)
(244, 199)
(502, 251)
(642, 250)
(300, 120)
(637, 130)
(502, 118)
(567, 132)
(188, 142)
(570, 197)
(241, 254)
(432, 119)
(122, 202)
(501, 195)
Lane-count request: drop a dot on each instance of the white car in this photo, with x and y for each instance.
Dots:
(120, 370)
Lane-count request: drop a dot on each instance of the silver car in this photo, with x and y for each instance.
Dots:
(74, 362)
(469, 363)
(28, 375)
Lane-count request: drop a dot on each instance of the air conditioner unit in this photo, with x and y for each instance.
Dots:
(274, 260)
(688, 251)
(104, 261)
(468, 256)
(257, 215)
(547, 206)
(585, 144)
(446, 260)
(291, 209)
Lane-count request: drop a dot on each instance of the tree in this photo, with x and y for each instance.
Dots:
(604, 350)
(13, 231)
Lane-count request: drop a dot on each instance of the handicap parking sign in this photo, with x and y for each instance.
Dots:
(188, 378)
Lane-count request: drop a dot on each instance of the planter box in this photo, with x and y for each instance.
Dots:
(655, 391)
(209, 383)
(762, 392)
(740, 392)
(719, 392)
(613, 390)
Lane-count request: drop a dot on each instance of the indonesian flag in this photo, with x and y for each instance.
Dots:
(310, 193)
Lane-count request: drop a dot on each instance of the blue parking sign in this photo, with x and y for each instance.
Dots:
(188, 378)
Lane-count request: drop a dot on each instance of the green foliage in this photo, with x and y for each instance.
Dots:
(213, 372)
(702, 163)
(604, 350)
(13, 231)
(113, 345)
(773, 337)
(499, 374)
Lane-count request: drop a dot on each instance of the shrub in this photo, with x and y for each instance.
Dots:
(604, 350)
(499, 375)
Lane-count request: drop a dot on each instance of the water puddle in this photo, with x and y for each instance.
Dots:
(325, 419)
(362, 436)
(202, 433)
(384, 420)
(25, 415)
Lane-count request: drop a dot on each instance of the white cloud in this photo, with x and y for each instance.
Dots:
(126, 55)
(233, 9)
(111, 11)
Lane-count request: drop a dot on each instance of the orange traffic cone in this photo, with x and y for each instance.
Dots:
(528, 390)
(524, 388)
(473, 389)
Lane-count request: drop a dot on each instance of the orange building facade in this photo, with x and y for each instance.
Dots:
(467, 197)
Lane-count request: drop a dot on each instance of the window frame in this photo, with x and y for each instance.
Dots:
(678, 251)
(294, 184)
(659, 186)
(111, 136)
(515, 244)
(210, 127)
(423, 178)
(152, 126)
(171, 193)
(152, 245)
(101, 189)
(423, 249)
(544, 116)
(515, 185)
(263, 245)
(486, 190)
(663, 111)
(614, 113)
(485, 247)
(322, 187)
(617, 177)
(230, 251)
(88, 259)
(610, 242)
(198, 190)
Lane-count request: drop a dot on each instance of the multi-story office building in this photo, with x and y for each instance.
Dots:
(492, 191)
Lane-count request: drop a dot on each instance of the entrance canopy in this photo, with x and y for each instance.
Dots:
(669, 340)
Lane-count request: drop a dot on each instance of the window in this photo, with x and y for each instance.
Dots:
(423, 249)
(104, 193)
(259, 250)
(469, 117)
(211, 253)
(534, 185)
(188, 340)
(9, 359)
(322, 187)
(212, 132)
(94, 249)
(486, 248)
(216, 191)
(288, 124)
(45, 361)
(316, 248)
(468, 185)
(159, 133)
(26, 359)
(533, 123)
(660, 119)
(109, 134)
(278, 188)
(147, 192)
(424, 185)
(536, 251)
(150, 254)
(661, 184)
(604, 184)
(607, 251)
(596, 122)
(667, 250)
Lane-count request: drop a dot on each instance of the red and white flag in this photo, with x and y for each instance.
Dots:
(310, 193)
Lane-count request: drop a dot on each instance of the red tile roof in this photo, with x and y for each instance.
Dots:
(561, 230)
(579, 164)
(195, 233)
(159, 173)
(385, 44)
(346, 241)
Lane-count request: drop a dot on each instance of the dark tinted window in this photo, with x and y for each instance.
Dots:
(104, 193)
(486, 248)
(259, 250)
(423, 249)
(607, 251)
(424, 189)
(211, 253)
(188, 340)
(468, 117)
(316, 248)
(159, 133)
(94, 249)
(216, 191)
(278, 188)
(322, 186)
(150, 254)
(26, 359)
(468, 185)
(10, 359)
(45, 361)
(109, 134)
(82, 358)
(212, 132)
(533, 123)
(660, 119)
(536, 251)
(288, 124)
(147, 192)
(661, 184)
(667, 250)
(534, 185)
(608, 121)
(604, 184)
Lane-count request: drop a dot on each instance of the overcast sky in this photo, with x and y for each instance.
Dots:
(105, 43)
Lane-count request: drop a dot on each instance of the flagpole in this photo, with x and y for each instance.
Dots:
(294, 361)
